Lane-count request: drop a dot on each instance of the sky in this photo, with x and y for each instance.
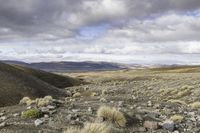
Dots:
(124, 31)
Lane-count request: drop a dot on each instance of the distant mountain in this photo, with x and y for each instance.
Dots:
(17, 82)
(70, 66)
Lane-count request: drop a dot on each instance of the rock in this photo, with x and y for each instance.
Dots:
(149, 104)
(38, 122)
(175, 131)
(29, 107)
(150, 125)
(120, 103)
(68, 93)
(52, 112)
(58, 102)
(139, 117)
(75, 110)
(50, 107)
(16, 114)
(44, 110)
(86, 88)
(3, 124)
(156, 106)
(46, 116)
(90, 109)
(142, 129)
(3, 118)
(103, 100)
(134, 97)
(1, 114)
(69, 117)
(169, 125)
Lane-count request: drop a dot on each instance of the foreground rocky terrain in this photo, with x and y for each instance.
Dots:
(151, 100)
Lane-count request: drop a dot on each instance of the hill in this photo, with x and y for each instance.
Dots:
(70, 66)
(17, 82)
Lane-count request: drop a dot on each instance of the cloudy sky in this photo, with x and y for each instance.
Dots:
(126, 31)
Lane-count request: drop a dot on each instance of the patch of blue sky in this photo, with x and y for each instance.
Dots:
(195, 13)
(92, 32)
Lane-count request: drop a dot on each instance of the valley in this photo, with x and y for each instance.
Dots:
(158, 100)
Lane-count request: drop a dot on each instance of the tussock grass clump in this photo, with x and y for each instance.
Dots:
(49, 98)
(90, 128)
(195, 105)
(177, 118)
(96, 128)
(73, 130)
(176, 101)
(31, 113)
(25, 101)
(111, 115)
(40, 102)
(183, 93)
(77, 94)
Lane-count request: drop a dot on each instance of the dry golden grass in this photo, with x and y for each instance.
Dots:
(77, 94)
(96, 128)
(195, 105)
(111, 115)
(89, 128)
(177, 101)
(26, 101)
(73, 130)
(176, 118)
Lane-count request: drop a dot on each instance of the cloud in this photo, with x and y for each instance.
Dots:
(112, 30)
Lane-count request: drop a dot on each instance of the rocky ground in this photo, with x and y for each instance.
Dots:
(151, 101)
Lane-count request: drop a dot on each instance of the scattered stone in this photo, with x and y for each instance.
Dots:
(75, 110)
(29, 107)
(1, 114)
(142, 129)
(46, 116)
(3, 124)
(175, 131)
(16, 114)
(86, 88)
(68, 93)
(103, 100)
(150, 125)
(169, 125)
(52, 112)
(50, 107)
(69, 117)
(120, 103)
(38, 122)
(90, 109)
(149, 104)
(3, 118)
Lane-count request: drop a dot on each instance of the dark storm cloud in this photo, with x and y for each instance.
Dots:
(38, 16)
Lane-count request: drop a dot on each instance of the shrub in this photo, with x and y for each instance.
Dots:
(176, 118)
(111, 115)
(26, 101)
(31, 113)
(195, 105)
(96, 128)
